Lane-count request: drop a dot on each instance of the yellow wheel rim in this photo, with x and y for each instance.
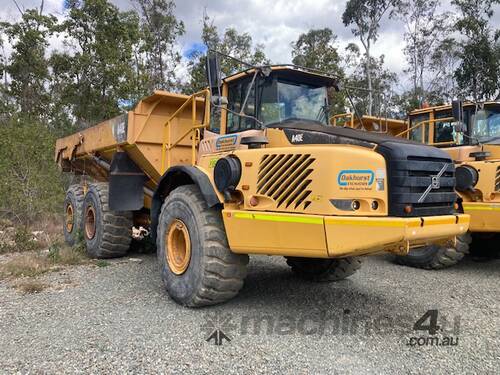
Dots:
(90, 222)
(70, 218)
(178, 247)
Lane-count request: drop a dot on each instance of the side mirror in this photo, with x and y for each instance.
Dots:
(457, 110)
(213, 70)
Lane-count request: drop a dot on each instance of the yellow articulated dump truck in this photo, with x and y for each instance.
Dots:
(245, 167)
(470, 134)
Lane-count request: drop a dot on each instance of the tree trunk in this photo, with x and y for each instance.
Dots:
(369, 79)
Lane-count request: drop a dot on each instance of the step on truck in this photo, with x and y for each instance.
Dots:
(251, 165)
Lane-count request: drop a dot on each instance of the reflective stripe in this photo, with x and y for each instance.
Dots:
(482, 207)
(279, 218)
(341, 221)
(371, 223)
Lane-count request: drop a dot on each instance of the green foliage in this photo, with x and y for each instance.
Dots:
(101, 263)
(365, 17)
(27, 67)
(230, 43)
(30, 184)
(62, 255)
(317, 49)
(426, 34)
(21, 242)
(369, 98)
(99, 75)
(156, 53)
(478, 75)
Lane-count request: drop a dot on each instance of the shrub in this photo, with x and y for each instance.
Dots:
(30, 184)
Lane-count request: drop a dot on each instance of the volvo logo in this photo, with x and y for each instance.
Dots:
(435, 183)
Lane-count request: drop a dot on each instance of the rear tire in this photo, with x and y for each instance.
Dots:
(437, 257)
(324, 270)
(107, 233)
(197, 266)
(73, 214)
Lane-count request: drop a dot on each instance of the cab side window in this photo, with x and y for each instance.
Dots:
(416, 133)
(236, 97)
(443, 130)
(215, 120)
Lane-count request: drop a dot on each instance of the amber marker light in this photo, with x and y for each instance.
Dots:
(254, 201)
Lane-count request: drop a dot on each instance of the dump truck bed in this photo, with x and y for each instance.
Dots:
(141, 133)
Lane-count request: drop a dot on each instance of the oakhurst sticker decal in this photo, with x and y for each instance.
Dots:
(356, 179)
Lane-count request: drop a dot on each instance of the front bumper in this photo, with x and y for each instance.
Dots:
(484, 217)
(315, 236)
(357, 236)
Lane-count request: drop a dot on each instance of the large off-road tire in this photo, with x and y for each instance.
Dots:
(436, 257)
(73, 214)
(197, 266)
(107, 233)
(324, 270)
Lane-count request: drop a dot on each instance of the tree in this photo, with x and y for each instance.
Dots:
(160, 30)
(379, 96)
(365, 16)
(444, 60)
(230, 43)
(425, 33)
(478, 75)
(30, 184)
(97, 78)
(26, 69)
(317, 49)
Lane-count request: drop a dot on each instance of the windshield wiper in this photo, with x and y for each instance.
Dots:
(323, 113)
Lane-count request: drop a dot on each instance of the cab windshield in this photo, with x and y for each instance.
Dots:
(486, 125)
(274, 99)
(294, 100)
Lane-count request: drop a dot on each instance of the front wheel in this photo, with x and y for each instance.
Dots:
(324, 269)
(197, 266)
(436, 257)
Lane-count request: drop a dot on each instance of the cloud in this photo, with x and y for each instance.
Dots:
(275, 24)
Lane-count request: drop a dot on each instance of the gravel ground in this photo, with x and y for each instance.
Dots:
(119, 319)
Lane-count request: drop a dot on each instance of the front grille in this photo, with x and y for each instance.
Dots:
(497, 180)
(410, 177)
(285, 178)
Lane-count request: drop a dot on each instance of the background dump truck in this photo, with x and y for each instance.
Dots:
(470, 134)
(245, 168)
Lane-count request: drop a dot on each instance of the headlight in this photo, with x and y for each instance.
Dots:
(466, 178)
(227, 173)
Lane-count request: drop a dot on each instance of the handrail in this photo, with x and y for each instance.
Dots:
(168, 145)
(428, 123)
(343, 115)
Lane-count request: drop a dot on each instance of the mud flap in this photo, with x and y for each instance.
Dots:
(126, 184)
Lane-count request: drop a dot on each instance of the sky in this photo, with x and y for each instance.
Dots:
(275, 24)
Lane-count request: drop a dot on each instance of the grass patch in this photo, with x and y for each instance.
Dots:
(102, 263)
(29, 265)
(31, 286)
(36, 263)
(21, 241)
(66, 256)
